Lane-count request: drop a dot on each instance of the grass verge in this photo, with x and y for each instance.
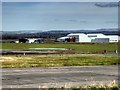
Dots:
(78, 47)
(52, 61)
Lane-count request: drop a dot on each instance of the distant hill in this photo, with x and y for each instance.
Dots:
(53, 33)
(107, 4)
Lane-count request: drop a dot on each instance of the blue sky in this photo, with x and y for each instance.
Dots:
(46, 16)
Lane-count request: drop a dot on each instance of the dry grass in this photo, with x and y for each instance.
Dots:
(51, 61)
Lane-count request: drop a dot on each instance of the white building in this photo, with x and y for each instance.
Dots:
(17, 41)
(80, 37)
(62, 39)
(31, 40)
(34, 40)
(113, 38)
(98, 37)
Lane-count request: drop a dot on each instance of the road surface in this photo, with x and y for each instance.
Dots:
(68, 76)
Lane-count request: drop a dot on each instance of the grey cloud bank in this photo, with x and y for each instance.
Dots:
(57, 15)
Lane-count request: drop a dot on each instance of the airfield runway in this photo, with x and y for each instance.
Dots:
(69, 76)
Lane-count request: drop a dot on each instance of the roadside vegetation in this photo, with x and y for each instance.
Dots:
(85, 88)
(98, 87)
(76, 47)
(52, 61)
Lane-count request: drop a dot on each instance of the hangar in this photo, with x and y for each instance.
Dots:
(95, 38)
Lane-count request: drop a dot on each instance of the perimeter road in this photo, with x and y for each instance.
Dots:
(68, 76)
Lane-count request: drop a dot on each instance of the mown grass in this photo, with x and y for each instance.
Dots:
(78, 47)
(52, 61)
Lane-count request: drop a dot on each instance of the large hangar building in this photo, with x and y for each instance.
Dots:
(94, 38)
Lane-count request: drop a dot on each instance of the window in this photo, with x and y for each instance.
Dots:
(92, 35)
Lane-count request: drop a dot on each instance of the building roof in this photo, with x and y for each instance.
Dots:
(63, 37)
(76, 34)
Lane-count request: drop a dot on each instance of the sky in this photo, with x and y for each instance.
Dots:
(45, 16)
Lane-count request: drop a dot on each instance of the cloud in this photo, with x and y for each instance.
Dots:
(80, 21)
(73, 20)
(107, 4)
(83, 21)
(56, 20)
(112, 22)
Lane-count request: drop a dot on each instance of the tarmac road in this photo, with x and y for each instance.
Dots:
(68, 76)
(46, 52)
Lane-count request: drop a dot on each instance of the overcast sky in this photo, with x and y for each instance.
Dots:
(57, 16)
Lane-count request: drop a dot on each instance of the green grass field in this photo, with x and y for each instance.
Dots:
(79, 48)
(46, 61)
(51, 61)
